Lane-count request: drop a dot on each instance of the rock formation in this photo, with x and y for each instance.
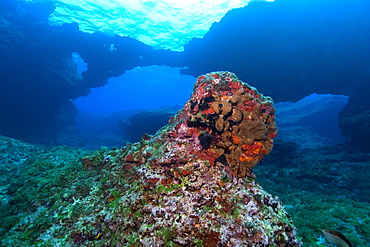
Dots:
(191, 184)
(324, 50)
(38, 77)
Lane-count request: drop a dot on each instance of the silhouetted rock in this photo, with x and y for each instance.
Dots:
(38, 76)
(289, 49)
(143, 122)
(357, 129)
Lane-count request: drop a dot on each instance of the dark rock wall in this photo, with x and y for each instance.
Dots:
(37, 73)
(289, 49)
(38, 77)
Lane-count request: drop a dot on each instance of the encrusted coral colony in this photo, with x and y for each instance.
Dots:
(190, 184)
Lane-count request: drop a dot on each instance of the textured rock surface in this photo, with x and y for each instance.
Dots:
(224, 121)
(190, 184)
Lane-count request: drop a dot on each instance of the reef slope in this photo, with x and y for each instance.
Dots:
(191, 184)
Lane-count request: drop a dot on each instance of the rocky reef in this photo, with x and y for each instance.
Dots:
(190, 184)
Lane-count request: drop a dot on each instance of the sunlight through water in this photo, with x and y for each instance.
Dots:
(167, 24)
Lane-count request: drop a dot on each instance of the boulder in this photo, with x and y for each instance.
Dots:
(191, 184)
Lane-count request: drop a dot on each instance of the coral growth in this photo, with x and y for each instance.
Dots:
(193, 183)
(225, 120)
(190, 184)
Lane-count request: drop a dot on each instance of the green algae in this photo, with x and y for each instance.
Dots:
(236, 213)
(312, 213)
(161, 188)
(198, 243)
(41, 181)
(166, 233)
(313, 198)
(132, 240)
(115, 202)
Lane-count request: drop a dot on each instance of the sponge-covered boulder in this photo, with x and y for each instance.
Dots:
(191, 184)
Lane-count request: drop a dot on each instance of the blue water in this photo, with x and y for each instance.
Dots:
(155, 87)
(87, 74)
(67, 62)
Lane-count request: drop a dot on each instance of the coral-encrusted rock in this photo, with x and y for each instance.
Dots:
(225, 120)
(192, 185)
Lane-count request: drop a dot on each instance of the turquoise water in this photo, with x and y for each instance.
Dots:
(166, 24)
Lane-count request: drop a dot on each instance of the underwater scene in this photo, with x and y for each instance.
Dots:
(215, 123)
